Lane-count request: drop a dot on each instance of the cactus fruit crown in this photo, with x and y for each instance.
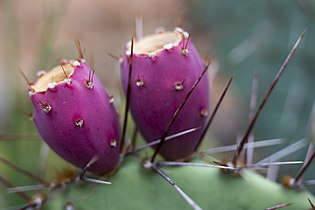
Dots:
(56, 75)
(80, 125)
(156, 42)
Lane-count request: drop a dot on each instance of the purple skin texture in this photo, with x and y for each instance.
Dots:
(81, 123)
(154, 97)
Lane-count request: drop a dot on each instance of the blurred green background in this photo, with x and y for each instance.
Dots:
(244, 37)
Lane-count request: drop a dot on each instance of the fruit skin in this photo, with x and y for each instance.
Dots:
(153, 104)
(74, 140)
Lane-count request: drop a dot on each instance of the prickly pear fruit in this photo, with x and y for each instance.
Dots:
(164, 68)
(75, 116)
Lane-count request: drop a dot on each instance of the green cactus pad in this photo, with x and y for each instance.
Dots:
(136, 188)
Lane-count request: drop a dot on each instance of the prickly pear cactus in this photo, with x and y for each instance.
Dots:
(136, 188)
(76, 118)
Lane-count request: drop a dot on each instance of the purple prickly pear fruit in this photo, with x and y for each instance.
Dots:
(76, 117)
(164, 68)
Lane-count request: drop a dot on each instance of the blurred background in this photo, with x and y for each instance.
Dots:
(243, 37)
